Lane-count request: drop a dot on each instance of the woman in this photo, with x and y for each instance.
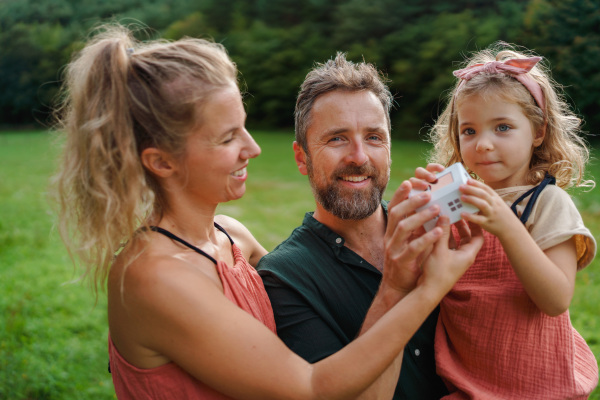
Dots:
(155, 140)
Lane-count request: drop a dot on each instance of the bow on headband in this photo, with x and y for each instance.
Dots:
(515, 67)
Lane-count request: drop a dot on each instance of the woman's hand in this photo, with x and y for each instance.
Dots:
(449, 259)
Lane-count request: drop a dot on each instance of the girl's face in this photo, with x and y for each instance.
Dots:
(217, 153)
(496, 140)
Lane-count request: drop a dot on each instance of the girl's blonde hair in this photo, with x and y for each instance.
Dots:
(563, 153)
(121, 96)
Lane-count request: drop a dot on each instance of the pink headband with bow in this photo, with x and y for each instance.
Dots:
(516, 67)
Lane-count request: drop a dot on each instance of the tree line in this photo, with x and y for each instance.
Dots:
(416, 43)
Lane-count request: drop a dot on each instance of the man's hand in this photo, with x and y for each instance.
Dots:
(424, 176)
(408, 246)
(406, 243)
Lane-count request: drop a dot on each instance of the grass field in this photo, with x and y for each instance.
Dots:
(53, 335)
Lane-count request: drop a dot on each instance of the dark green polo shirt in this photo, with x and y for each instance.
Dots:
(321, 291)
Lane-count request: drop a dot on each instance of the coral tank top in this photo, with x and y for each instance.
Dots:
(241, 285)
(492, 342)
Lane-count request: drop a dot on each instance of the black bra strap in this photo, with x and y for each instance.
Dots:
(178, 239)
(535, 192)
(219, 227)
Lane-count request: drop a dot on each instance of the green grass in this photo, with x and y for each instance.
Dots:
(53, 335)
(52, 338)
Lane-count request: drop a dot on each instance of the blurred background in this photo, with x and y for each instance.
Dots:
(53, 330)
(417, 43)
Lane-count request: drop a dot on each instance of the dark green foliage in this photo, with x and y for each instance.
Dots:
(30, 59)
(275, 42)
(570, 38)
(273, 63)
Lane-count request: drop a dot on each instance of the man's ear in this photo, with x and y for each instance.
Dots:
(300, 157)
(158, 162)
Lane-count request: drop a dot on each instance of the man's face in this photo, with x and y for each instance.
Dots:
(348, 157)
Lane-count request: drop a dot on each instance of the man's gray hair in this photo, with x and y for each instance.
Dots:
(338, 74)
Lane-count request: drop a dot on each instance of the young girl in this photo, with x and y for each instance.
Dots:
(504, 330)
(154, 142)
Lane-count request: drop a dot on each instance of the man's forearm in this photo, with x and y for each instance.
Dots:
(384, 300)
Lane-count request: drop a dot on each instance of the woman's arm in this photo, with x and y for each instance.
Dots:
(181, 313)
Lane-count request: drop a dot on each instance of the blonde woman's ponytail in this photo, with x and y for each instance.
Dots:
(120, 97)
(101, 184)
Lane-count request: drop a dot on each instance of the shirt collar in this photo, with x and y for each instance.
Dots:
(327, 234)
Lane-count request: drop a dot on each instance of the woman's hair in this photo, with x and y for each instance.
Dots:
(563, 153)
(121, 96)
(338, 74)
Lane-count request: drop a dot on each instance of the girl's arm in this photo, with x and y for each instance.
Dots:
(180, 313)
(547, 276)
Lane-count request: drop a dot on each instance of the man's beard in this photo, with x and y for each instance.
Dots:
(349, 204)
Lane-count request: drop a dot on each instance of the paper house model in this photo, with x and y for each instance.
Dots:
(445, 193)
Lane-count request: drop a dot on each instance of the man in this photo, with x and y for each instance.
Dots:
(325, 281)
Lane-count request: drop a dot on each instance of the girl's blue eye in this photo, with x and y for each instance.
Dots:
(503, 127)
(469, 131)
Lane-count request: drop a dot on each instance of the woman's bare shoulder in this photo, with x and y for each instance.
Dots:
(154, 264)
(242, 236)
(231, 225)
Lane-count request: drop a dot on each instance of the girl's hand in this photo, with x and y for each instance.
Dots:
(494, 215)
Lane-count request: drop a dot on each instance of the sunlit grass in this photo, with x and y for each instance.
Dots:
(53, 338)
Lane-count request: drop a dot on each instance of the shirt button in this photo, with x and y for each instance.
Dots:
(417, 352)
(338, 240)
